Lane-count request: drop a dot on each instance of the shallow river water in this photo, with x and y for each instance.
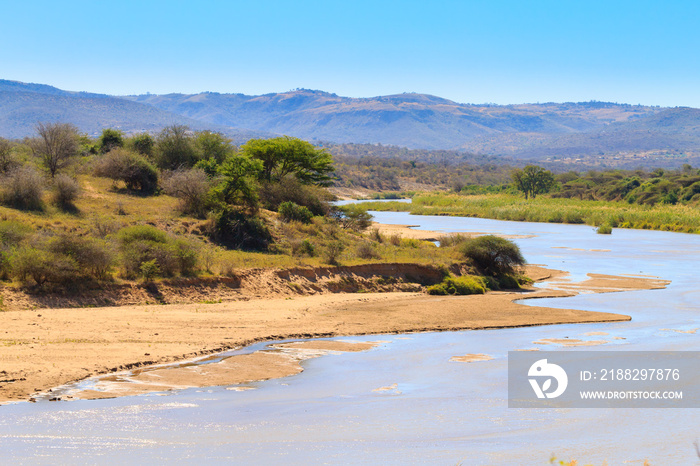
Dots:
(431, 410)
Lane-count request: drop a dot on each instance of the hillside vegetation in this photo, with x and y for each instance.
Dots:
(77, 213)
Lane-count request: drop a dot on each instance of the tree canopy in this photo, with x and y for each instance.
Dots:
(286, 155)
(533, 180)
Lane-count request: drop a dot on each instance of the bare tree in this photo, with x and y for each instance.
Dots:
(56, 145)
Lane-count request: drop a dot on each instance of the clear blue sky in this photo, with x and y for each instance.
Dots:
(499, 51)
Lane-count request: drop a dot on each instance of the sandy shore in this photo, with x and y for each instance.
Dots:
(408, 231)
(45, 348)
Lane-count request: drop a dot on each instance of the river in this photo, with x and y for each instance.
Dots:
(431, 409)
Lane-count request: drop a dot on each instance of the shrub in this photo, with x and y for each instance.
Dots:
(12, 232)
(290, 189)
(7, 159)
(141, 232)
(191, 187)
(573, 217)
(23, 189)
(93, 257)
(353, 217)
(374, 235)
(604, 229)
(5, 266)
(149, 270)
(332, 252)
(367, 251)
(110, 139)
(143, 243)
(236, 229)
(175, 148)
(464, 285)
(142, 143)
(493, 255)
(186, 255)
(508, 282)
(454, 239)
(290, 211)
(133, 169)
(44, 266)
(66, 191)
(303, 248)
(395, 239)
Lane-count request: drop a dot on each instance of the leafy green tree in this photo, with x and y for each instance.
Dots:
(214, 146)
(142, 143)
(238, 184)
(286, 155)
(55, 146)
(110, 139)
(175, 148)
(533, 180)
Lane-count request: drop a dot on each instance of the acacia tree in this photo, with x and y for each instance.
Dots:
(533, 180)
(286, 155)
(56, 144)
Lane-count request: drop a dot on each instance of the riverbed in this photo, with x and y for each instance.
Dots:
(404, 401)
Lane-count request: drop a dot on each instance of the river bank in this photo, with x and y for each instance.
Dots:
(45, 348)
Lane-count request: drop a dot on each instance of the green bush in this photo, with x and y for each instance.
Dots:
(110, 139)
(303, 248)
(508, 282)
(133, 169)
(493, 255)
(464, 285)
(367, 251)
(144, 243)
(94, 257)
(236, 229)
(290, 211)
(353, 217)
(12, 232)
(175, 148)
(142, 232)
(290, 189)
(604, 229)
(44, 266)
(331, 254)
(149, 270)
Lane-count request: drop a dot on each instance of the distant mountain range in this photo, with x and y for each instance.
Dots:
(418, 121)
(23, 105)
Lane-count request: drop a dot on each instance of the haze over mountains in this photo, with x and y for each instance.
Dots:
(531, 131)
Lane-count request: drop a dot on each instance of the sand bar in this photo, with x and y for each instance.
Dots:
(45, 348)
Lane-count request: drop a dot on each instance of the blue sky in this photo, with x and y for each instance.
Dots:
(468, 51)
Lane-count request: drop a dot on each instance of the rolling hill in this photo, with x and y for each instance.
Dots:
(410, 120)
(23, 105)
(585, 132)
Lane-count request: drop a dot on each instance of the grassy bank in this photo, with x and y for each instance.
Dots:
(676, 218)
(103, 214)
